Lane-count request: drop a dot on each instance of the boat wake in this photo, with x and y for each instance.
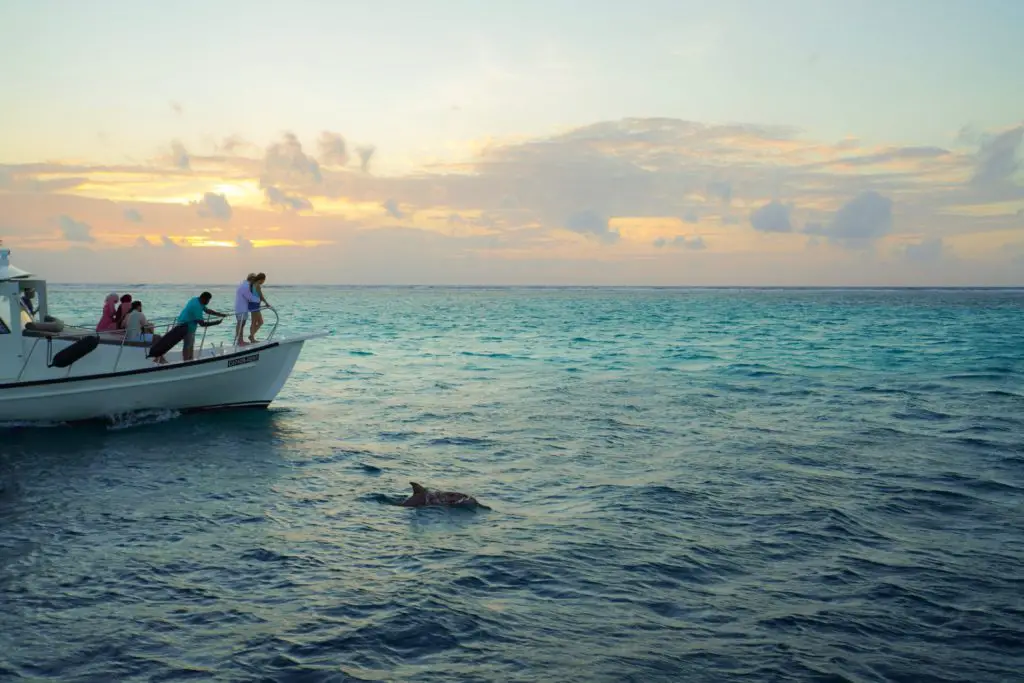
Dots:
(30, 424)
(127, 420)
(141, 418)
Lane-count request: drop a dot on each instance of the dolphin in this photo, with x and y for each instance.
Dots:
(422, 496)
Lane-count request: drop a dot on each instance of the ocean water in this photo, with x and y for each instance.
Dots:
(684, 485)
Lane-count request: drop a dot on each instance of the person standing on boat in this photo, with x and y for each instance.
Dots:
(244, 297)
(192, 315)
(254, 306)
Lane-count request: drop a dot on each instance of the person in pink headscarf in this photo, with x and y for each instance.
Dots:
(108, 323)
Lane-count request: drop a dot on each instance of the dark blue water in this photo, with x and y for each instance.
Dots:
(705, 485)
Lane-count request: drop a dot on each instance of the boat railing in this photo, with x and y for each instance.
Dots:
(155, 326)
(229, 321)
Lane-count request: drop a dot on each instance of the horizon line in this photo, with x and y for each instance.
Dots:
(533, 286)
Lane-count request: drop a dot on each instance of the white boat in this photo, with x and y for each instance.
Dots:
(99, 375)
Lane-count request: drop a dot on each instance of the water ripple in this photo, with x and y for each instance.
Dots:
(704, 485)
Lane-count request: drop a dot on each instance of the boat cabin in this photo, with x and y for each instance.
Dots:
(20, 293)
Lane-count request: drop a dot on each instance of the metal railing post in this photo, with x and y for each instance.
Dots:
(273, 330)
(120, 350)
(27, 358)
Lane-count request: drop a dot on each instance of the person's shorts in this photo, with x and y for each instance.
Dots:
(189, 341)
(240, 317)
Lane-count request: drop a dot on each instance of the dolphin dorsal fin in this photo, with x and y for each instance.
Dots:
(416, 488)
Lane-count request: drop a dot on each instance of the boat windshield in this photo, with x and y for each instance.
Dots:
(5, 308)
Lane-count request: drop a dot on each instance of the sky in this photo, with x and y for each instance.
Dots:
(555, 142)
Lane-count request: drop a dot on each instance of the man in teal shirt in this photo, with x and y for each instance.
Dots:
(192, 315)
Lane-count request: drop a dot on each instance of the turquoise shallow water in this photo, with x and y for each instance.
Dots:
(699, 485)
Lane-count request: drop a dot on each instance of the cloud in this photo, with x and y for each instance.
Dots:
(969, 135)
(859, 222)
(168, 242)
(628, 186)
(772, 217)
(894, 154)
(720, 189)
(141, 241)
(646, 167)
(391, 206)
(927, 250)
(132, 215)
(233, 144)
(632, 167)
(278, 198)
(176, 107)
(680, 242)
(285, 164)
(997, 157)
(213, 206)
(11, 181)
(75, 231)
(243, 243)
(333, 150)
(591, 224)
(179, 156)
(365, 154)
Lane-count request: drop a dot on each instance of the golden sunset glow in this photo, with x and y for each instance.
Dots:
(265, 243)
(518, 166)
(203, 242)
(149, 205)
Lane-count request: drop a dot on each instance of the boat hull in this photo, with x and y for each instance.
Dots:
(247, 378)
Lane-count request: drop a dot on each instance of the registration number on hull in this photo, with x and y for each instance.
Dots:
(243, 360)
